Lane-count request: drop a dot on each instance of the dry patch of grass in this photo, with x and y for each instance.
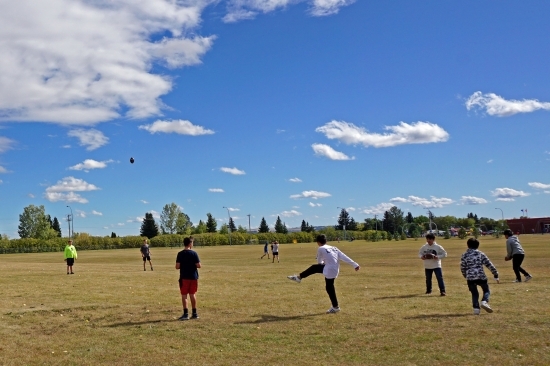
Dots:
(112, 312)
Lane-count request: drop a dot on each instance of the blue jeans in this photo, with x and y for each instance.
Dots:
(472, 286)
(438, 275)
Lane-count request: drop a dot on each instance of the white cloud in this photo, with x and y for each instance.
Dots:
(83, 62)
(290, 213)
(432, 202)
(311, 194)
(295, 180)
(321, 8)
(495, 105)
(120, 224)
(30, 195)
(216, 190)
(404, 133)
(5, 143)
(80, 213)
(233, 171)
(329, 152)
(92, 138)
(231, 209)
(538, 185)
(97, 213)
(489, 161)
(143, 201)
(57, 193)
(547, 192)
(3, 170)
(471, 200)
(315, 204)
(180, 127)
(156, 215)
(90, 164)
(379, 209)
(66, 146)
(508, 194)
(350, 209)
(1, 181)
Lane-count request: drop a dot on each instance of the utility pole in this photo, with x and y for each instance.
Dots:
(248, 222)
(69, 222)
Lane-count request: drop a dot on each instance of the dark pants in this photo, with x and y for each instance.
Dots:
(329, 282)
(472, 286)
(438, 274)
(517, 260)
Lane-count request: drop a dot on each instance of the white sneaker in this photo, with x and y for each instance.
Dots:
(476, 311)
(486, 307)
(294, 278)
(517, 281)
(333, 310)
(528, 278)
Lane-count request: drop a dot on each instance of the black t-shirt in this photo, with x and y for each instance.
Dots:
(188, 260)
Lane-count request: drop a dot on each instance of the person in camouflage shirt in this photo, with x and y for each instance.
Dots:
(471, 265)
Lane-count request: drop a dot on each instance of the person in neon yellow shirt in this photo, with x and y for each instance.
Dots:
(70, 256)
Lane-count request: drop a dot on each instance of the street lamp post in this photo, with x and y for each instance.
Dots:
(502, 213)
(228, 226)
(71, 219)
(248, 222)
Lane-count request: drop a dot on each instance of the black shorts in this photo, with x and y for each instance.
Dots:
(275, 253)
(70, 261)
(146, 258)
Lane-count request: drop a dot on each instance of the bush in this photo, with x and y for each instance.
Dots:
(462, 233)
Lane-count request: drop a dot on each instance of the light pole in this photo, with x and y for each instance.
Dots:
(502, 213)
(344, 226)
(228, 226)
(71, 219)
(248, 223)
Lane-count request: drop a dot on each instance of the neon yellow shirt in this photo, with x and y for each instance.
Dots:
(70, 252)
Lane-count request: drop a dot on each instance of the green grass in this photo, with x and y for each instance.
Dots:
(112, 312)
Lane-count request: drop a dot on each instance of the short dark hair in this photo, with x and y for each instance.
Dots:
(321, 239)
(508, 232)
(430, 236)
(473, 243)
(187, 242)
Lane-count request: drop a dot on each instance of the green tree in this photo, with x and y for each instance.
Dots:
(279, 227)
(211, 224)
(113, 234)
(264, 228)
(422, 221)
(393, 220)
(410, 218)
(232, 226)
(343, 220)
(224, 229)
(200, 228)
(149, 227)
(33, 223)
(352, 225)
(303, 227)
(183, 224)
(462, 233)
(466, 223)
(444, 222)
(169, 218)
(56, 227)
(242, 230)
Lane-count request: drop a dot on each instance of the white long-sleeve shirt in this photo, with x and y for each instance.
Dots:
(330, 257)
(434, 249)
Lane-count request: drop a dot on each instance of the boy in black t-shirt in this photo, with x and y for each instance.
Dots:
(146, 254)
(188, 262)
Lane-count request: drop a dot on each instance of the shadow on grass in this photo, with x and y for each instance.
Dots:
(133, 324)
(276, 318)
(436, 316)
(398, 297)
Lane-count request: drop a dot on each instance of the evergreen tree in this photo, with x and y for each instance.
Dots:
(56, 227)
(304, 226)
(279, 227)
(410, 218)
(285, 229)
(393, 220)
(310, 228)
(113, 234)
(149, 227)
(352, 225)
(343, 220)
(264, 228)
(211, 224)
(232, 226)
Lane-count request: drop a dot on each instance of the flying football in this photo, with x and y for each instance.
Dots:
(132, 160)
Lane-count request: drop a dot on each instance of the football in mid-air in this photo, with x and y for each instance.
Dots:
(132, 160)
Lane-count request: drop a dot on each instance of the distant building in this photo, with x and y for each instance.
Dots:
(529, 225)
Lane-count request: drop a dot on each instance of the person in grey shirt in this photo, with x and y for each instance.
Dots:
(516, 254)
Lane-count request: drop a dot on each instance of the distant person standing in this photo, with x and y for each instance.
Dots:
(188, 263)
(70, 256)
(266, 251)
(515, 253)
(146, 254)
(275, 251)
(431, 253)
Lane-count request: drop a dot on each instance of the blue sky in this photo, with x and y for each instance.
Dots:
(272, 107)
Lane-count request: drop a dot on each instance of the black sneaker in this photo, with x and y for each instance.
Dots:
(195, 316)
(428, 292)
(151, 268)
(184, 317)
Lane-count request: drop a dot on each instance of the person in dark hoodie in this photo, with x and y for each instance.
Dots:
(516, 254)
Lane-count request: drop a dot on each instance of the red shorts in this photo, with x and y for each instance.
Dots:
(188, 286)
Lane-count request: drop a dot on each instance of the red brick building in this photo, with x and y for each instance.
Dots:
(529, 225)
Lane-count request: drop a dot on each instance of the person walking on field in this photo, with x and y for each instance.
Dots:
(266, 251)
(515, 253)
(70, 256)
(328, 264)
(275, 250)
(188, 263)
(146, 254)
(431, 253)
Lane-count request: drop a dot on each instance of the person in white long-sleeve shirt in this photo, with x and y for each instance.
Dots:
(431, 254)
(328, 263)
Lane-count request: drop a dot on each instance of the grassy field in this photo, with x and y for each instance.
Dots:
(112, 312)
